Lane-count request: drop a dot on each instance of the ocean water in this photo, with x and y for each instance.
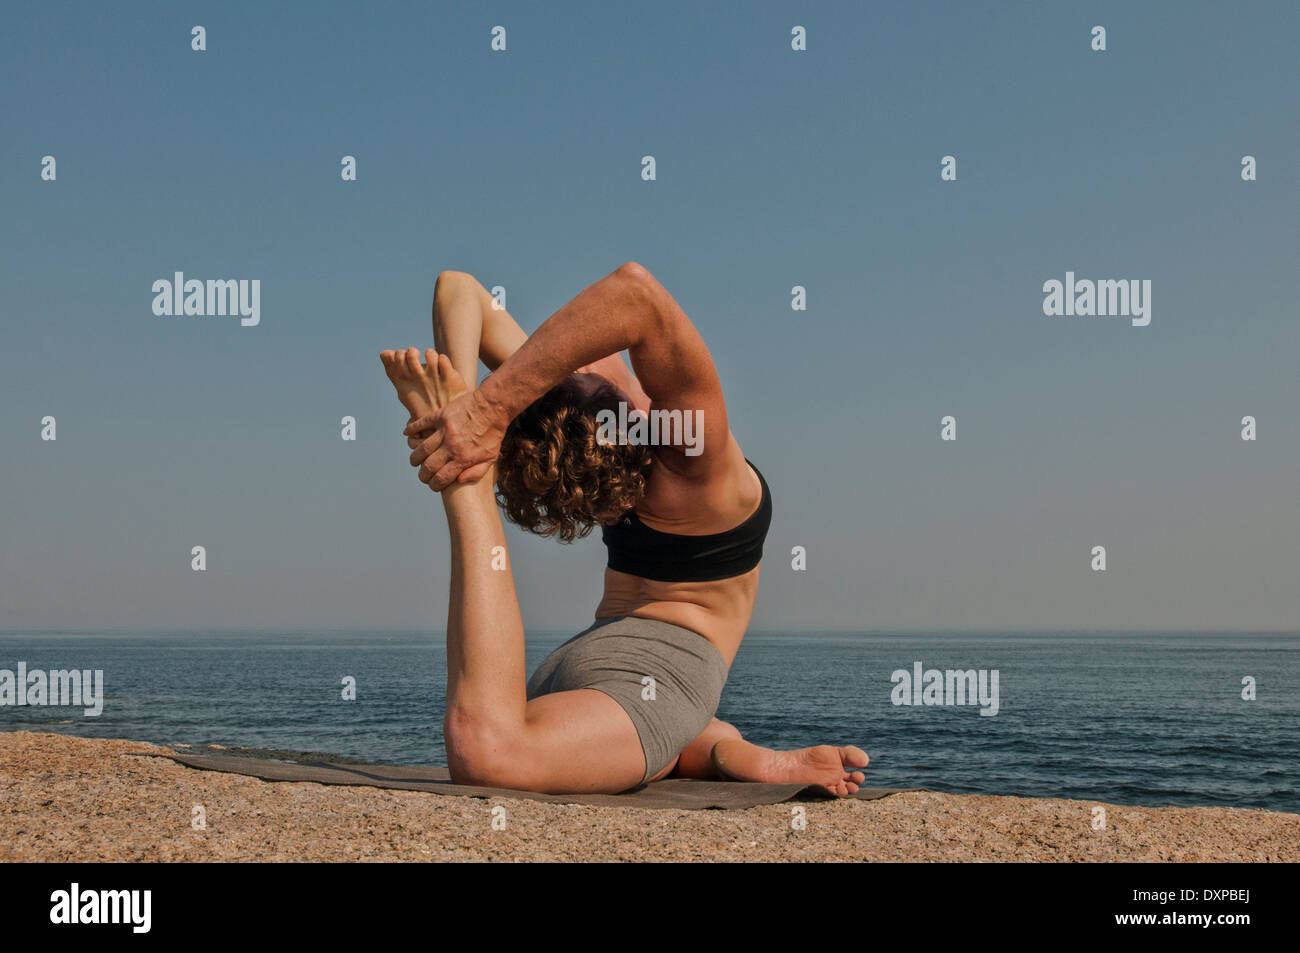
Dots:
(1128, 719)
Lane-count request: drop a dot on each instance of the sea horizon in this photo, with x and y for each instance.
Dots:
(1150, 718)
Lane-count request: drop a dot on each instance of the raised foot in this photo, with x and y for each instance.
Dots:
(833, 768)
(423, 388)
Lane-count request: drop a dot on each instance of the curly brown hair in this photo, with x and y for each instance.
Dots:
(554, 478)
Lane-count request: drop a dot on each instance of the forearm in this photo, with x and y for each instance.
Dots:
(614, 314)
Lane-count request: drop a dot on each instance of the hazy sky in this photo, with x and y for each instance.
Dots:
(775, 169)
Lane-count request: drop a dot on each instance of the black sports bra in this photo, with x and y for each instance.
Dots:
(637, 549)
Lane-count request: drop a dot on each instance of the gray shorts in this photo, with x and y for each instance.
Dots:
(618, 656)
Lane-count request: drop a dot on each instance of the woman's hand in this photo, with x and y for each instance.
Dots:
(457, 443)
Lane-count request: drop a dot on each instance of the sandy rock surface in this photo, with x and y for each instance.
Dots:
(78, 799)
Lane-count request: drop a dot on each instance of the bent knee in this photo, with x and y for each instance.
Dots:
(484, 753)
(451, 277)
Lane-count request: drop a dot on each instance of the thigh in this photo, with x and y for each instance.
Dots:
(581, 741)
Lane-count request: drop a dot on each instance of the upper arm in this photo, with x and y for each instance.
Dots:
(675, 369)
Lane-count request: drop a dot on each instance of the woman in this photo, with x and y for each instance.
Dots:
(631, 699)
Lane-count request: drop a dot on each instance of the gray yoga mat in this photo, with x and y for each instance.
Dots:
(678, 793)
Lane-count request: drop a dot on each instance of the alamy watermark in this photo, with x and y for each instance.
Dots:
(931, 686)
(673, 428)
(130, 907)
(219, 296)
(57, 688)
(1129, 298)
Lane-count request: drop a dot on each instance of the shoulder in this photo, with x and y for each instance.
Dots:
(727, 491)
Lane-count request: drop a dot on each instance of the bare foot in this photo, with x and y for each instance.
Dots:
(423, 388)
(831, 767)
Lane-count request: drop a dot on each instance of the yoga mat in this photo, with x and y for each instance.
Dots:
(681, 793)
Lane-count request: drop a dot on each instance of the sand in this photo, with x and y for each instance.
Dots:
(78, 799)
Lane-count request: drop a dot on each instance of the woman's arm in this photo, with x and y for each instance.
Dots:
(468, 326)
(627, 309)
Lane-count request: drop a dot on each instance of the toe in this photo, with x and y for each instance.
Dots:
(455, 382)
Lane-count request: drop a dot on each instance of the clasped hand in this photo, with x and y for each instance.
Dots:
(457, 443)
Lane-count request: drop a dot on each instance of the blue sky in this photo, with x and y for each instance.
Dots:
(775, 168)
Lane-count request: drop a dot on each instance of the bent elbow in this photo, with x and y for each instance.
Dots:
(631, 271)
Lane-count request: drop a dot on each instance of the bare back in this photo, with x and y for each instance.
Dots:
(719, 610)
